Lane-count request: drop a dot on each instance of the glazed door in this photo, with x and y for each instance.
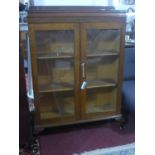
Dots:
(100, 66)
(55, 62)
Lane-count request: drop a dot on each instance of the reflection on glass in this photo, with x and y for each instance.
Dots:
(55, 75)
(55, 60)
(103, 47)
(102, 69)
(102, 40)
(56, 105)
(55, 43)
(101, 100)
(102, 57)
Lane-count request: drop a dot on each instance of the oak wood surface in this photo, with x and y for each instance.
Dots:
(78, 20)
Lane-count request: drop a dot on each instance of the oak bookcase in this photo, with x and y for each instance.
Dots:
(77, 63)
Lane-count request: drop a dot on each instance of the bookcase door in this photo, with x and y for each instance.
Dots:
(55, 49)
(100, 67)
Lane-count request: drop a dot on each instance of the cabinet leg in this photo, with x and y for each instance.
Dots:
(121, 121)
(38, 131)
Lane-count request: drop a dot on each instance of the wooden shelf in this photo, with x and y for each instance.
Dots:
(102, 108)
(100, 84)
(56, 87)
(50, 114)
(98, 54)
(54, 56)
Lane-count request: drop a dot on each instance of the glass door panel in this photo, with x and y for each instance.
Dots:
(56, 105)
(56, 75)
(101, 71)
(55, 44)
(102, 56)
(103, 41)
(101, 62)
(55, 57)
(100, 100)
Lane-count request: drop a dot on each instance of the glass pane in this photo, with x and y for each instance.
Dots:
(56, 75)
(55, 72)
(55, 60)
(55, 43)
(56, 105)
(103, 69)
(103, 47)
(101, 100)
(102, 40)
(102, 57)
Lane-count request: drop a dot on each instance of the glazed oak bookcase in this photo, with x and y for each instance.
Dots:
(77, 63)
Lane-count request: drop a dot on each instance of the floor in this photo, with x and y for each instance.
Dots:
(84, 137)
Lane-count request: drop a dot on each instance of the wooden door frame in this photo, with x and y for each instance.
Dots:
(47, 27)
(103, 25)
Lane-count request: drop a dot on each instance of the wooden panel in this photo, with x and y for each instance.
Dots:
(121, 64)
(34, 72)
(77, 19)
(77, 70)
(103, 25)
(55, 26)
